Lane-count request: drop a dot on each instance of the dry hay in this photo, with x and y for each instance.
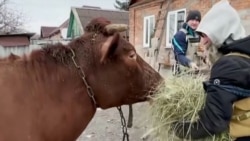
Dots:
(180, 99)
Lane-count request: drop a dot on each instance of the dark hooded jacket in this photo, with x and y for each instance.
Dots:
(229, 82)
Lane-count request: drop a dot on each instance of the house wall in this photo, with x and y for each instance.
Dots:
(56, 36)
(137, 13)
(64, 32)
(136, 28)
(76, 32)
(14, 40)
(74, 28)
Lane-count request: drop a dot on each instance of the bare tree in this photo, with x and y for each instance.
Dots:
(10, 20)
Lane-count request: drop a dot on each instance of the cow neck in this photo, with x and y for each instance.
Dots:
(90, 91)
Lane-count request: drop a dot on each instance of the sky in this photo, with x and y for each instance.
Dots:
(39, 13)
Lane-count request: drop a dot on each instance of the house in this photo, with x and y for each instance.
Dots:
(55, 33)
(52, 34)
(46, 32)
(143, 15)
(15, 39)
(81, 16)
(16, 43)
(61, 31)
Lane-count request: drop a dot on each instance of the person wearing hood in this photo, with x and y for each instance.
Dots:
(180, 42)
(229, 84)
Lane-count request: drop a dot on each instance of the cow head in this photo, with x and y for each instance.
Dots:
(116, 73)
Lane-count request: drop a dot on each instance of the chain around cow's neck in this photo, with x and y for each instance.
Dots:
(83, 76)
(91, 93)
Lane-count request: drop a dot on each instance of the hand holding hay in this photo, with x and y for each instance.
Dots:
(179, 101)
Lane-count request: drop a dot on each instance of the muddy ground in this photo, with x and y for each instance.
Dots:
(106, 125)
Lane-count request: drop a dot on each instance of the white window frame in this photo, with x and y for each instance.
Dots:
(169, 36)
(147, 31)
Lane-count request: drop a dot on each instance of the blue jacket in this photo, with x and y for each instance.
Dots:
(180, 45)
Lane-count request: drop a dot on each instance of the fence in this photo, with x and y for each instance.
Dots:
(21, 50)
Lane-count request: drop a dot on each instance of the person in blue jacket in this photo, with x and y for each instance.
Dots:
(180, 42)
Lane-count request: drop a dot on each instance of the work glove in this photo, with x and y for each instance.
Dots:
(181, 129)
(189, 130)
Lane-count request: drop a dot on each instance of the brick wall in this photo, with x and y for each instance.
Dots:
(151, 8)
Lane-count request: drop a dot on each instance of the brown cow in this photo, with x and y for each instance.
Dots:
(45, 96)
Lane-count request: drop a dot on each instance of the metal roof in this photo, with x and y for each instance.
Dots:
(87, 14)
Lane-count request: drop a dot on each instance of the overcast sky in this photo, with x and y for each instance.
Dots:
(39, 13)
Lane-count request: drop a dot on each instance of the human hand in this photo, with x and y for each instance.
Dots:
(201, 48)
(193, 66)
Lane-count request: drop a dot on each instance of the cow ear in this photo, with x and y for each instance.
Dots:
(109, 46)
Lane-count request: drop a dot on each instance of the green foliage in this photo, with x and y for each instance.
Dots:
(122, 5)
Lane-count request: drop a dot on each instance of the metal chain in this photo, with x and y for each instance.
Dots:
(124, 125)
(91, 95)
(83, 76)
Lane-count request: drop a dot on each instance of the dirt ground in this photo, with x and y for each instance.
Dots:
(106, 125)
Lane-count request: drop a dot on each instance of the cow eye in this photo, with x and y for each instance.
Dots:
(132, 55)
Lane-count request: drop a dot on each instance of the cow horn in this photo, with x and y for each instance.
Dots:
(112, 28)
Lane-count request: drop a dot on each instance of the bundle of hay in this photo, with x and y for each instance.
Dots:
(179, 100)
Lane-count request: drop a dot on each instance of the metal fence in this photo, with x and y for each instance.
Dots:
(21, 50)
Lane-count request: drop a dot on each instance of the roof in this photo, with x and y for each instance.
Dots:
(18, 34)
(65, 24)
(91, 7)
(46, 30)
(134, 3)
(35, 37)
(15, 39)
(87, 14)
(57, 30)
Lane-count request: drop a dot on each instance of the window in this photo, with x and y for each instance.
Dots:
(175, 21)
(148, 29)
